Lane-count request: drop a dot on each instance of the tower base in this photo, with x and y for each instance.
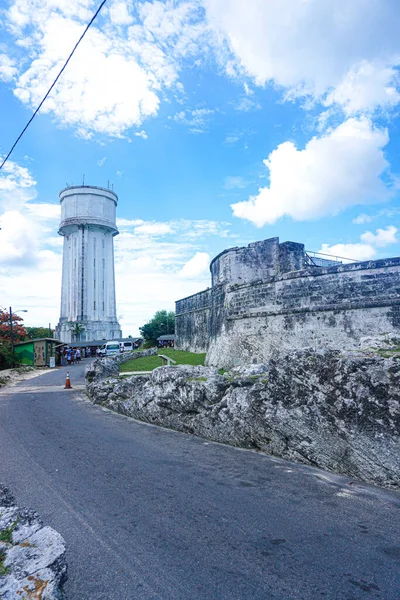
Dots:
(93, 330)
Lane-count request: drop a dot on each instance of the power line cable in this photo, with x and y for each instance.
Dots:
(53, 84)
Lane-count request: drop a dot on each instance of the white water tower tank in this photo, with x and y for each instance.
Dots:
(88, 225)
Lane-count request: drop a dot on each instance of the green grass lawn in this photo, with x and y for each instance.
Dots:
(148, 363)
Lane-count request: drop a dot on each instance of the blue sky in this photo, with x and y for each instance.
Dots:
(219, 123)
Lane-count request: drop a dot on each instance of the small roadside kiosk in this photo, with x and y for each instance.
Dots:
(37, 353)
(166, 341)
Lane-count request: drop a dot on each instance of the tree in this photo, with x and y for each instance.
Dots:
(19, 334)
(162, 323)
(38, 332)
(76, 330)
(6, 358)
(19, 331)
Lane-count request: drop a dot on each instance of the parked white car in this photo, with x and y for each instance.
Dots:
(110, 349)
(126, 346)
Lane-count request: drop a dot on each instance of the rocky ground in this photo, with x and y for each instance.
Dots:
(32, 557)
(13, 376)
(336, 410)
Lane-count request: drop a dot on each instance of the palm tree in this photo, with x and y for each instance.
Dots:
(76, 330)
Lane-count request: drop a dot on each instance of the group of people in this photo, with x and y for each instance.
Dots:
(166, 343)
(72, 356)
(68, 355)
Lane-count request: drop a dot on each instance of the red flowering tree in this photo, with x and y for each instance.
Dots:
(19, 334)
(19, 331)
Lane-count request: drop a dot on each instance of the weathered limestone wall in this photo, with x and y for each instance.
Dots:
(337, 411)
(320, 308)
(248, 317)
(194, 327)
(256, 261)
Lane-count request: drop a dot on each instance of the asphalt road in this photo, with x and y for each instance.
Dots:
(150, 514)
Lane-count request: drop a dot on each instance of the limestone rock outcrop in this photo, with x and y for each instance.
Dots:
(32, 557)
(336, 410)
(109, 366)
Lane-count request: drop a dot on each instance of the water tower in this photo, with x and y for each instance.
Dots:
(88, 308)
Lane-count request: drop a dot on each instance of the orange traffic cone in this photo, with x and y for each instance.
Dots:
(68, 385)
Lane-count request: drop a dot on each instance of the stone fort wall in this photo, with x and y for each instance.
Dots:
(266, 298)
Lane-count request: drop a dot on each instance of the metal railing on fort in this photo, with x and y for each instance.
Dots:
(319, 259)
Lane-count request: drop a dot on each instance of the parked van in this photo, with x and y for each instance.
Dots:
(126, 346)
(111, 348)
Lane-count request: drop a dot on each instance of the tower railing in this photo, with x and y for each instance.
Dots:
(320, 259)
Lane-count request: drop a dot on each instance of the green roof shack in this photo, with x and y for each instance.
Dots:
(38, 352)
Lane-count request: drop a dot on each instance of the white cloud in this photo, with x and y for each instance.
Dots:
(44, 211)
(247, 90)
(365, 249)
(382, 237)
(30, 259)
(232, 139)
(362, 219)
(153, 229)
(22, 221)
(114, 94)
(247, 104)
(312, 47)
(194, 230)
(55, 242)
(244, 133)
(17, 186)
(184, 229)
(141, 134)
(235, 181)
(129, 222)
(37, 290)
(365, 87)
(198, 265)
(387, 212)
(201, 112)
(101, 162)
(7, 68)
(337, 52)
(197, 120)
(130, 56)
(119, 14)
(16, 242)
(340, 169)
(350, 251)
(177, 24)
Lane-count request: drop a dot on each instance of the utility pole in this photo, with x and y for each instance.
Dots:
(12, 339)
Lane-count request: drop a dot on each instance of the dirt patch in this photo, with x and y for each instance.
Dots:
(10, 377)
